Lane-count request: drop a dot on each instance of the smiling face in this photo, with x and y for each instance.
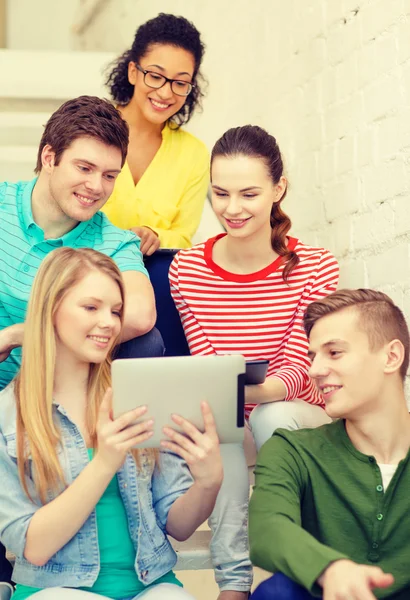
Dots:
(350, 375)
(84, 179)
(159, 105)
(87, 322)
(242, 195)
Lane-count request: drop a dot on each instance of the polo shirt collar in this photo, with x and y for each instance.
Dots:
(31, 227)
(26, 212)
(70, 238)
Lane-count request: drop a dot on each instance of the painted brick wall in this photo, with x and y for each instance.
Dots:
(331, 80)
(347, 85)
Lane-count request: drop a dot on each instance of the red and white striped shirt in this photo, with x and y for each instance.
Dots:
(258, 315)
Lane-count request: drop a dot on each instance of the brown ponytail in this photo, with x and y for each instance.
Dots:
(280, 223)
(255, 142)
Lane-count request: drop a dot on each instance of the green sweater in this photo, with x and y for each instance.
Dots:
(318, 499)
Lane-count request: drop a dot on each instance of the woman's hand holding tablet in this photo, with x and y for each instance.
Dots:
(199, 450)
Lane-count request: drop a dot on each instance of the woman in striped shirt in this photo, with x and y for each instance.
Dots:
(245, 291)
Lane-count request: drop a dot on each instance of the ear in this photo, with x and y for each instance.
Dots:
(394, 356)
(132, 73)
(48, 158)
(280, 189)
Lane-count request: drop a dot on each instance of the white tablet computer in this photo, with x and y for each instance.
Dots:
(178, 384)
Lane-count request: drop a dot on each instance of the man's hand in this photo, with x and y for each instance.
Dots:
(346, 580)
(149, 239)
(10, 338)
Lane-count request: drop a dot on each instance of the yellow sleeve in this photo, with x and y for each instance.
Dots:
(190, 208)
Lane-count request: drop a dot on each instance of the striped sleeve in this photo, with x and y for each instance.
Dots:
(293, 371)
(193, 331)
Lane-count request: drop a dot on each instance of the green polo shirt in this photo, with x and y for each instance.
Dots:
(23, 247)
(318, 499)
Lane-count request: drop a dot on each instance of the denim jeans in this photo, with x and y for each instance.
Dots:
(229, 523)
(150, 344)
(280, 587)
(5, 566)
(266, 418)
(144, 346)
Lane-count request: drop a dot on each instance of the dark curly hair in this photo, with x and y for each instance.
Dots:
(163, 29)
(255, 142)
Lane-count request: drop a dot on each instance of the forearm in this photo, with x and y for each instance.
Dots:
(272, 390)
(140, 313)
(190, 510)
(48, 531)
(14, 335)
(296, 553)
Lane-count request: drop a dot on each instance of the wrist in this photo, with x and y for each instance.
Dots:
(209, 487)
(328, 571)
(102, 468)
(257, 394)
(271, 390)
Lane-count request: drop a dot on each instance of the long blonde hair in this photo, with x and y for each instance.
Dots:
(37, 433)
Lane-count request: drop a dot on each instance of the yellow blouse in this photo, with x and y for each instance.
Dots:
(169, 197)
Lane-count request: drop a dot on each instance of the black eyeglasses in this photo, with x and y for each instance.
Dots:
(157, 81)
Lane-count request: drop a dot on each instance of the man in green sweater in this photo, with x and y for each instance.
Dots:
(330, 513)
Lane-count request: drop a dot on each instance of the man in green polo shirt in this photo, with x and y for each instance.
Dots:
(330, 513)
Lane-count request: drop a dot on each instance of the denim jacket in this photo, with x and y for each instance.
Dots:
(148, 493)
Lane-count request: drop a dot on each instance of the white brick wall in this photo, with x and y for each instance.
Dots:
(331, 80)
(360, 192)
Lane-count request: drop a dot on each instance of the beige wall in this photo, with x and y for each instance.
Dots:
(3, 23)
(40, 24)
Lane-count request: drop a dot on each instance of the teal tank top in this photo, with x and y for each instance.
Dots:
(117, 577)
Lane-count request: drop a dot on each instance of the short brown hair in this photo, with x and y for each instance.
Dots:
(85, 116)
(379, 317)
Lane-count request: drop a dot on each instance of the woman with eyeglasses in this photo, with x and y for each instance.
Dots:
(161, 190)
